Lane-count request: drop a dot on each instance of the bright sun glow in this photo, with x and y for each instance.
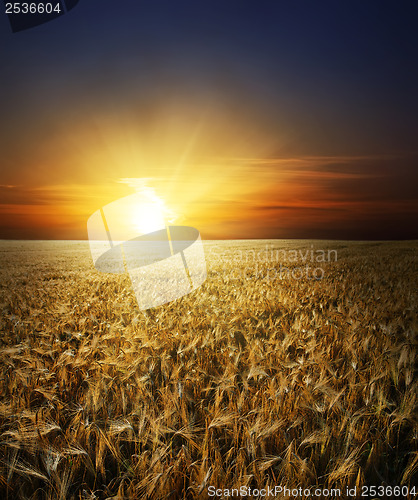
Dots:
(149, 211)
(148, 217)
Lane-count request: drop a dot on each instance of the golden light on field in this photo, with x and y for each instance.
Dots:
(261, 373)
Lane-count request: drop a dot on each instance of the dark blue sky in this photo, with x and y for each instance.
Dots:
(268, 79)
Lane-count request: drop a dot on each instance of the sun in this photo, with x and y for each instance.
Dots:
(143, 212)
(148, 217)
(149, 213)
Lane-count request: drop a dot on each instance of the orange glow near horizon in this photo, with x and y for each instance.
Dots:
(53, 193)
(224, 205)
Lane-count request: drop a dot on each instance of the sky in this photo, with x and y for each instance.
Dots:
(250, 119)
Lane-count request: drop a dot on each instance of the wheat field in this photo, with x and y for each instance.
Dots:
(255, 379)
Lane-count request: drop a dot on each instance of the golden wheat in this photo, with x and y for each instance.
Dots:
(248, 381)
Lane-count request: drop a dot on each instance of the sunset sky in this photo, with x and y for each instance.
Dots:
(250, 119)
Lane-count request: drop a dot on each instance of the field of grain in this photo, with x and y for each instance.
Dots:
(256, 379)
